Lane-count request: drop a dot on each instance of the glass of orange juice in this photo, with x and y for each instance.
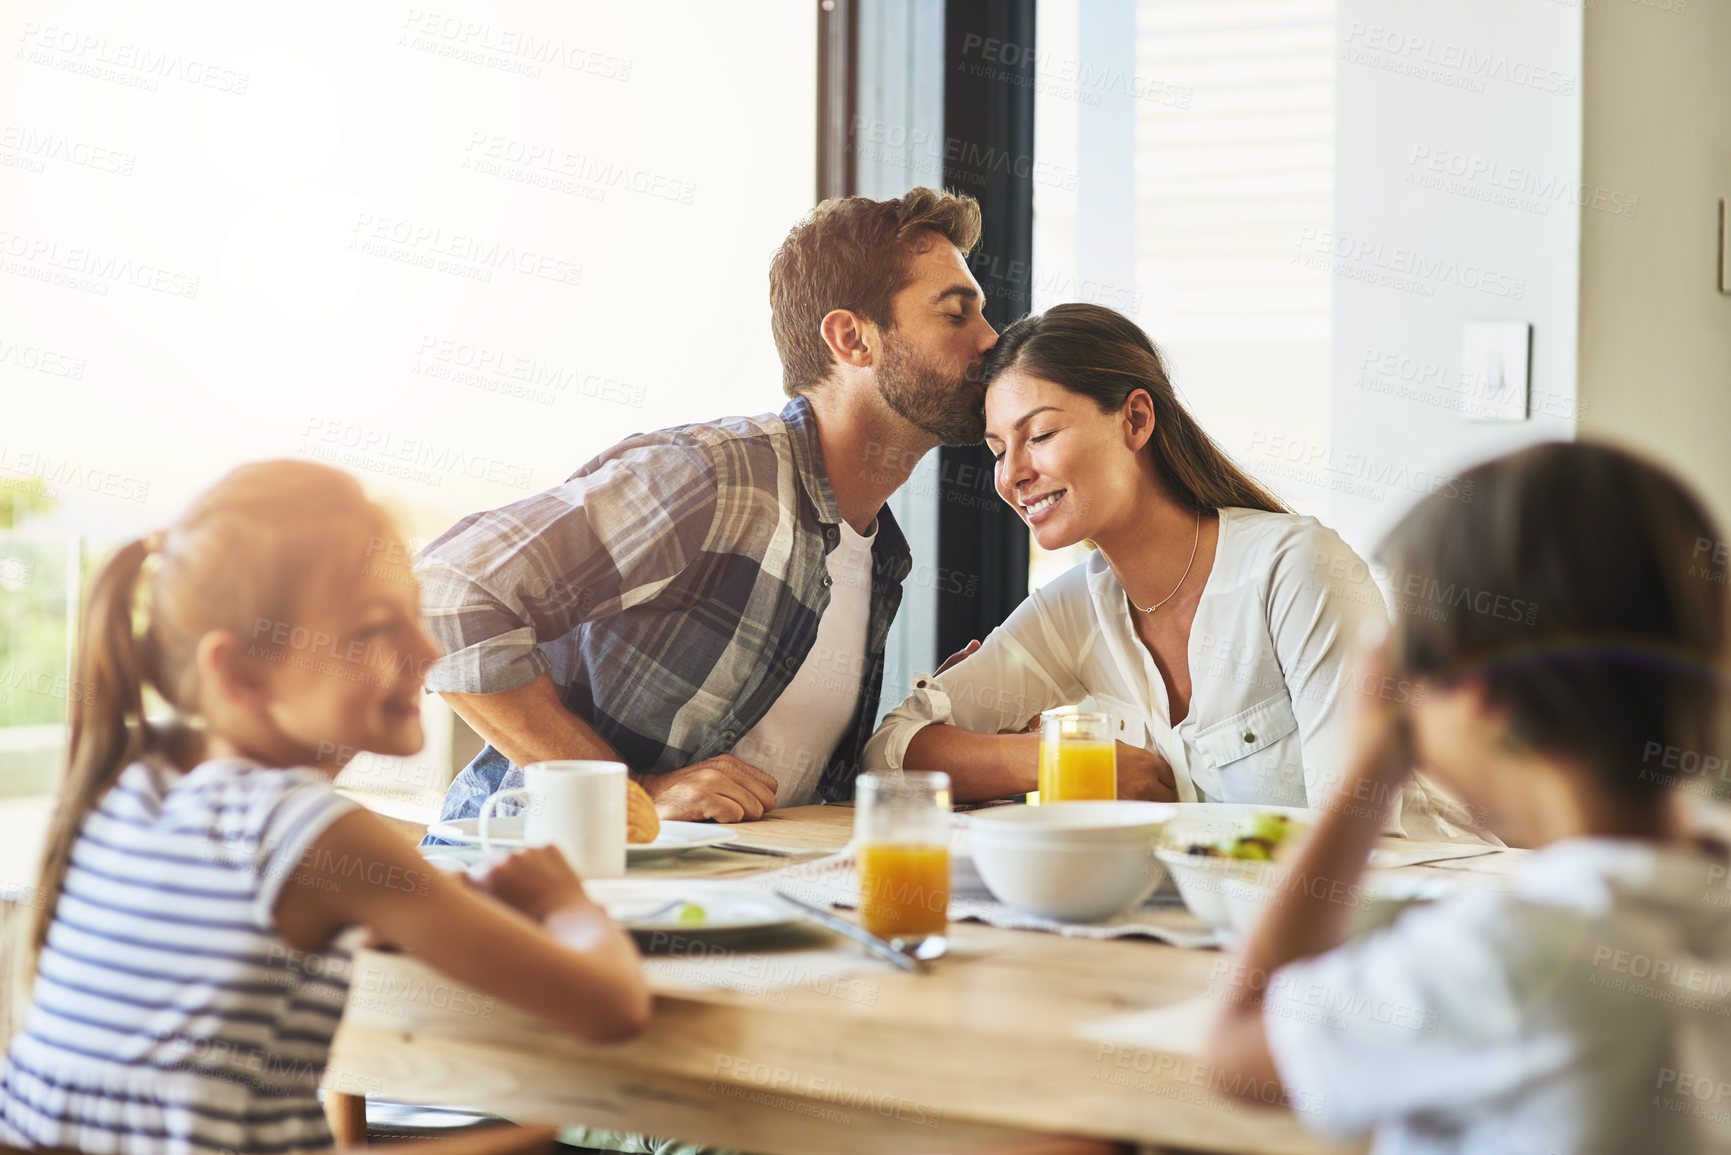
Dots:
(1078, 757)
(902, 853)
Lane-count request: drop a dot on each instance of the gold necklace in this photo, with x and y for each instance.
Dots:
(1180, 584)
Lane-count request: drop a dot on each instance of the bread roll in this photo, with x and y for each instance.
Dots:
(642, 824)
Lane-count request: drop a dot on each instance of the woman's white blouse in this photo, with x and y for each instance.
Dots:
(1270, 653)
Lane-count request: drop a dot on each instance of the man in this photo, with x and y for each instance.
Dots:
(708, 604)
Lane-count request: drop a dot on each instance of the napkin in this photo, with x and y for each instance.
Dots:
(1181, 1028)
(1396, 853)
(843, 973)
(833, 881)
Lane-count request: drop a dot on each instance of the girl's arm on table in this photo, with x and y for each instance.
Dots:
(536, 940)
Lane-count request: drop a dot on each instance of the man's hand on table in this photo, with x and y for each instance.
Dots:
(722, 788)
(1145, 775)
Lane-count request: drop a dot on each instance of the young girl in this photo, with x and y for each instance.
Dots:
(1585, 1009)
(190, 872)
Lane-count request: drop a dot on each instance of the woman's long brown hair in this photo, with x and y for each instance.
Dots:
(242, 554)
(1104, 356)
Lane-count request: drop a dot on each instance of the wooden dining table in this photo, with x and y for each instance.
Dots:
(999, 1039)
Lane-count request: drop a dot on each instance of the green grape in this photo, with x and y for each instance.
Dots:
(691, 913)
(1272, 828)
(1252, 849)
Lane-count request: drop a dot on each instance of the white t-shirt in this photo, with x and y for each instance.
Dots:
(1586, 1011)
(1270, 672)
(795, 739)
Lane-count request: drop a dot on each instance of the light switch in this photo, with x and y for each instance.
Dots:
(1494, 360)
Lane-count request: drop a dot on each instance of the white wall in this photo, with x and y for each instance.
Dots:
(1655, 332)
(1490, 89)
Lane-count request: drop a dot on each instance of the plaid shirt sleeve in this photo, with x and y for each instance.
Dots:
(498, 583)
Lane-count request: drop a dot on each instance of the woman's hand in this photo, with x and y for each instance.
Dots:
(536, 881)
(966, 651)
(1145, 775)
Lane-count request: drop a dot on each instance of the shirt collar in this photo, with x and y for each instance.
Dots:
(814, 479)
(808, 459)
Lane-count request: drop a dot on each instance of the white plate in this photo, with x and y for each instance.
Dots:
(675, 837)
(724, 906)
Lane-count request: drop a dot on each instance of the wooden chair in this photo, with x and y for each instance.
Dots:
(505, 1139)
(346, 1113)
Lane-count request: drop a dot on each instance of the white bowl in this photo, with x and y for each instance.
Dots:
(1070, 861)
(1229, 894)
(1074, 823)
(1232, 894)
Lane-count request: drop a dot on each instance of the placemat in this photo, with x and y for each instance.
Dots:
(1395, 853)
(833, 881)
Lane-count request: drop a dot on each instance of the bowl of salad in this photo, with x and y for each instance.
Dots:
(1230, 868)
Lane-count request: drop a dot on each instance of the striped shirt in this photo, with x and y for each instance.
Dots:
(168, 1016)
(672, 587)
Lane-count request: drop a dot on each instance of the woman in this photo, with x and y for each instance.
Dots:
(1212, 625)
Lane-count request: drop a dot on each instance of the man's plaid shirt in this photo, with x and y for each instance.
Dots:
(672, 587)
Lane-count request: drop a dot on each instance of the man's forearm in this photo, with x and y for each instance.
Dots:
(530, 724)
(981, 766)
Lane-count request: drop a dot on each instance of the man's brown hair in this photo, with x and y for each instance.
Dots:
(854, 253)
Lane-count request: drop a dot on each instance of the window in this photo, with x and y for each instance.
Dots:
(456, 256)
(1185, 147)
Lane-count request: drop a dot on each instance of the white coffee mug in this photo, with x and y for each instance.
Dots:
(577, 806)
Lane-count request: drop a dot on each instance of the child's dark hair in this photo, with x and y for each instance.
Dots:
(247, 552)
(1570, 589)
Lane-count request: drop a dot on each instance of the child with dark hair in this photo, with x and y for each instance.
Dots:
(1588, 1008)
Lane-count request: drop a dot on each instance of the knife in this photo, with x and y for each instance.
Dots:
(772, 851)
(873, 944)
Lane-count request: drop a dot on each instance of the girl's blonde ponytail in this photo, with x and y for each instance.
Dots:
(107, 698)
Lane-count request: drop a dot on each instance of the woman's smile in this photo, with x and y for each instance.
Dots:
(1039, 509)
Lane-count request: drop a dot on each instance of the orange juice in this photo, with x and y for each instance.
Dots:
(904, 889)
(1075, 770)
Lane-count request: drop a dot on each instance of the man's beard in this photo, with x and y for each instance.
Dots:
(950, 407)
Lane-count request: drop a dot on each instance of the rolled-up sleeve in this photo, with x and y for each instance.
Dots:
(1025, 666)
(499, 583)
